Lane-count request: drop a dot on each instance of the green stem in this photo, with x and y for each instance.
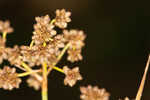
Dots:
(44, 82)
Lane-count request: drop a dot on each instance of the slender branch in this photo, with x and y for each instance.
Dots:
(140, 91)
(28, 73)
(62, 52)
(44, 82)
(4, 35)
(53, 21)
(38, 77)
(31, 44)
(59, 58)
(26, 66)
(57, 69)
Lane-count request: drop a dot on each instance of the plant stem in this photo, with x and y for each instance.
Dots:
(38, 77)
(31, 44)
(44, 82)
(53, 21)
(28, 73)
(57, 69)
(59, 58)
(26, 66)
(4, 35)
(62, 53)
(140, 91)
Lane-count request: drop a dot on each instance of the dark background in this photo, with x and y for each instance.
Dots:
(116, 50)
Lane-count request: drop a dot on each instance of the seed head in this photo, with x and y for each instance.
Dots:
(74, 55)
(72, 75)
(93, 93)
(39, 54)
(33, 82)
(43, 30)
(75, 37)
(62, 18)
(8, 78)
(5, 27)
(14, 56)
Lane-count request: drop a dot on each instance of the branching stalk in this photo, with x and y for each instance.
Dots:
(28, 73)
(44, 82)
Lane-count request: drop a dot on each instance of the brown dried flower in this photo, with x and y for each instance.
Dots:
(8, 78)
(5, 27)
(75, 37)
(58, 41)
(39, 54)
(93, 93)
(72, 75)
(74, 55)
(33, 82)
(62, 18)
(14, 56)
(43, 30)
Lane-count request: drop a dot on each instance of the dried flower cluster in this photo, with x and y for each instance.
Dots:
(93, 93)
(9, 78)
(46, 49)
(43, 54)
(71, 75)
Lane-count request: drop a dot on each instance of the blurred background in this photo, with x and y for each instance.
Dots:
(116, 51)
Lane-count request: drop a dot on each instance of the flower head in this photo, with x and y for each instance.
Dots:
(74, 55)
(39, 54)
(75, 37)
(93, 93)
(14, 56)
(72, 75)
(5, 27)
(62, 18)
(33, 82)
(43, 30)
(8, 78)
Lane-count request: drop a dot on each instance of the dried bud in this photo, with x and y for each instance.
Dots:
(33, 82)
(75, 37)
(62, 18)
(71, 76)
(74, 55)
(8, 78)
(5, 27)
(93, 93)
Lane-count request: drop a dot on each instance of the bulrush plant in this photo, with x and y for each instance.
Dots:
(46, 49)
